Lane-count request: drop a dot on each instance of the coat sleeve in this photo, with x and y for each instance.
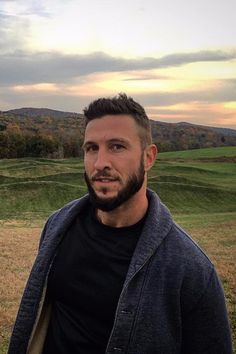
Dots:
(44, 231)
(206, 328)
(47, 226)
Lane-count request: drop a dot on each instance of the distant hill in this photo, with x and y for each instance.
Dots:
(185, 136)
(51, 133)
(43, 121)
(41, 112)
(225, 131)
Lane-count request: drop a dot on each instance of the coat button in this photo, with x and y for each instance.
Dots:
(117, 349)
(126, 312)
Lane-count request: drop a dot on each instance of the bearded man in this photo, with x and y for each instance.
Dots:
(114, 272)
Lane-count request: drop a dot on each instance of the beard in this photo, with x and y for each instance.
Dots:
(132, 186)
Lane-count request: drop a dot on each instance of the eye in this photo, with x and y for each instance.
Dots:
(117, 147)
(90, 148)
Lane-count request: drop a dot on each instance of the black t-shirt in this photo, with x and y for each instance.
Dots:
(85, 283)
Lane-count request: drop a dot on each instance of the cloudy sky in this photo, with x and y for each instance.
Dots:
(176, 57)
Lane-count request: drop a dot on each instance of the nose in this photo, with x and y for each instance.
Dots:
(102, 160)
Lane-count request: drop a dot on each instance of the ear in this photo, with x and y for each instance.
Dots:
(150, 154)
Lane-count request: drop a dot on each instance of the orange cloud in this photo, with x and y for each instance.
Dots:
(36, 87)
(219, 114)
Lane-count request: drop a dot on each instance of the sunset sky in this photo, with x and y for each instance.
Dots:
(176, 57)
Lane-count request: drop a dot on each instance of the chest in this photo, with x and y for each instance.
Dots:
(89, 270)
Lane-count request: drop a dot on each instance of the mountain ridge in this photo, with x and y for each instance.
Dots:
(52, 133)
(40, 111)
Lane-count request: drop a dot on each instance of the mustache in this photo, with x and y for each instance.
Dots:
(103, 174)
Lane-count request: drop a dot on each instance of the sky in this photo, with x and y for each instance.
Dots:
(175, 57)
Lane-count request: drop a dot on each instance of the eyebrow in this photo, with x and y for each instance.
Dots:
(114, 140)
(119, 140)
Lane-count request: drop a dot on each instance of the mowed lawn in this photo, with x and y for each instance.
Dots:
(199, 187)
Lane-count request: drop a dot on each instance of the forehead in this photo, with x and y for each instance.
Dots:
(112, 127)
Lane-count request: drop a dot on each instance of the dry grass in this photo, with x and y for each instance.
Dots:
(18, 247)
(19, 242)
(219, 242)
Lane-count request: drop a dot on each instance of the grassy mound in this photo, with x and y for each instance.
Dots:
(184, 181)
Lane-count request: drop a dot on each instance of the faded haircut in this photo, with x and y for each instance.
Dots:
(119, 105)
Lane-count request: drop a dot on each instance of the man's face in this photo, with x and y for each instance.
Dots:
(114, 162)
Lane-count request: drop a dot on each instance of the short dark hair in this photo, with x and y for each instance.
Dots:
(121, 104)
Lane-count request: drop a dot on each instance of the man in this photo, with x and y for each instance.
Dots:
(114, 273)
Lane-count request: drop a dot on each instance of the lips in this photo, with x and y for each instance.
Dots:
(104, 180)
(103, 177)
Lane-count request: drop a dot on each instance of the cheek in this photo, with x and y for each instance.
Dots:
(88, 163)
(130, 167)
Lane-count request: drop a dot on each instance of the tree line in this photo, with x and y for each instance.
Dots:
(16, 145)
(39, 136)
(54, 134)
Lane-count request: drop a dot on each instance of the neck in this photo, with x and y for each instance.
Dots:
(127, 214)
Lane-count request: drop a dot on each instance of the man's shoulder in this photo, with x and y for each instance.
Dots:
(186, 254)
(192, 267)
(177, 240)
(73, 207)
(58, 222)
(187, 242)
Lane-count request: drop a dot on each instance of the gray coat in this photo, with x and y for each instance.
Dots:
(172, 301)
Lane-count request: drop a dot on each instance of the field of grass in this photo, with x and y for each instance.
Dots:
(218, 152)
(198, 186)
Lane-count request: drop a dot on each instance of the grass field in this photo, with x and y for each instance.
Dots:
(198, 186)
